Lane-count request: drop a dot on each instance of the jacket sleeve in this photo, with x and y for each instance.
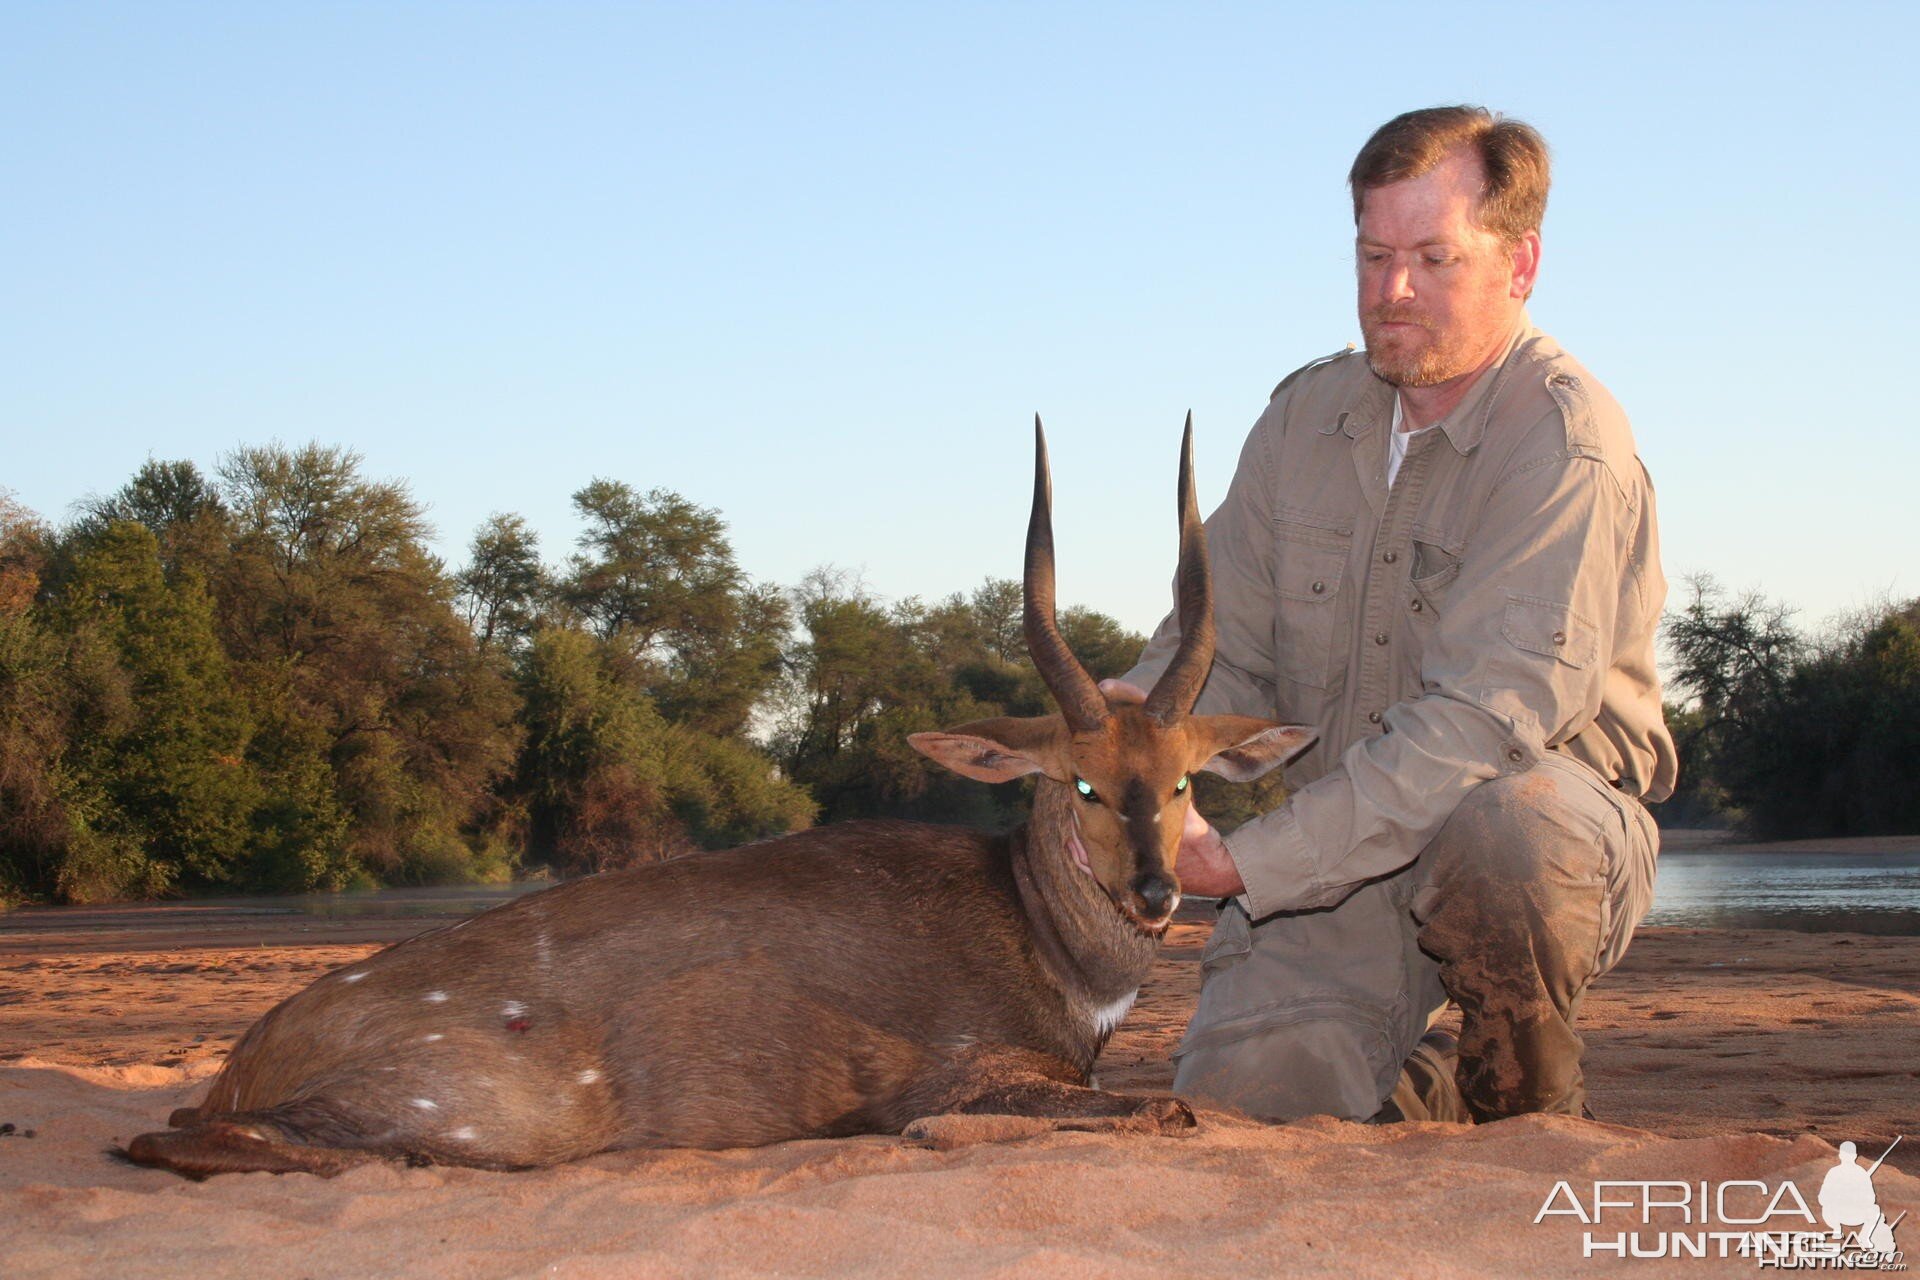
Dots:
(1239, 552)
(1516, 666)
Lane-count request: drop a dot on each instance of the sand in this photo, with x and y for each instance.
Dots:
(1712, 1055)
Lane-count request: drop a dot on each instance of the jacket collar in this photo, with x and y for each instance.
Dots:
(1371, 402)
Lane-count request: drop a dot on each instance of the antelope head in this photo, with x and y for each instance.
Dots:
(1124, 767)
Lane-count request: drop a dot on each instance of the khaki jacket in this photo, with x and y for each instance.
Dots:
(1499, 602)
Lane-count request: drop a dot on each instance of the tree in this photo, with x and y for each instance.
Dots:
(41, 817)
(865, 675)
(607, 781)
(1731, 661)
(169, 755)
(1733, 657)
(1834, 754)
(121, 737)
(504, 586)
(24, 540)
(351, 646)
(177, 504)
(1801, 737)
(655, 577)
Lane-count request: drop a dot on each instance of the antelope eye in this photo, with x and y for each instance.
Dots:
(1180, 786)
(1085, 789)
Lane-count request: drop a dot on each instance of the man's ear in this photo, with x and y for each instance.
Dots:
(1242, 748)
(999, 750)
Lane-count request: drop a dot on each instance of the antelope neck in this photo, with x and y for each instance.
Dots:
(1088, 948)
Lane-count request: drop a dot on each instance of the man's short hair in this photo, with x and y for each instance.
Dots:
(1514, 200)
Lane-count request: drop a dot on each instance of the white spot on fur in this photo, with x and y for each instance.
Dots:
(1107, 1018)
(464, 1133)
(426, 1104)
(512, 1009)
(543, 949)
(435, 997)
(589, 1076)
(431, 1038)
(353, 977)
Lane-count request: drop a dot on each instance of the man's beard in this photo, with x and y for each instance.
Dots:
(1436, 361)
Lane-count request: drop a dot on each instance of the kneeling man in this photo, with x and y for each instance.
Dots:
(1440, 552)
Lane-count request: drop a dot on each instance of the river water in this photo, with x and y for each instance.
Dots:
(1821, 892)
(1837, 890)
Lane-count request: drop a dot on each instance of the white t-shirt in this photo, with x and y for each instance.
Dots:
(1397, 442)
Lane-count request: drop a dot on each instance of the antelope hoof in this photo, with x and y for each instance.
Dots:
(1165, 1117)
(953, 1131)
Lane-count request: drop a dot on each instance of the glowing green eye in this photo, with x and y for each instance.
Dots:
(1085, 788)
(1180, 786)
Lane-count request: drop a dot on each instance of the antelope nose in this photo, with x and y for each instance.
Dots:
(1155, 894)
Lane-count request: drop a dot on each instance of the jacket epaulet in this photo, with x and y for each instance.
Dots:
(1311, 364)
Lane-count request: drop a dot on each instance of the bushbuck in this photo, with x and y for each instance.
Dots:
(842, 980)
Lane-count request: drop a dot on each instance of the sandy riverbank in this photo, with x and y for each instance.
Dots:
(1716, 1055)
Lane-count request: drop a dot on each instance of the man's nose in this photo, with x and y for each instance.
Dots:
(1396, 284)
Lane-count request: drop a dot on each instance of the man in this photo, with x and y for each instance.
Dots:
(1846, 1196)
(1440, 553)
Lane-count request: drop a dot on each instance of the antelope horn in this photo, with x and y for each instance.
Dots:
(1081, 701)
(1179, 685)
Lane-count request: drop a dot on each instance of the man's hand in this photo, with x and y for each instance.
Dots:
(1205, 868)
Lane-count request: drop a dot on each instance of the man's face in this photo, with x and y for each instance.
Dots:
(1438, 294)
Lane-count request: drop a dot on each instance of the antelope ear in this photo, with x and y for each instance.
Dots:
(999, 750)
(1242, 748)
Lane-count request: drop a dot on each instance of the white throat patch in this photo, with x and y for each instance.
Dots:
(1107, 1017)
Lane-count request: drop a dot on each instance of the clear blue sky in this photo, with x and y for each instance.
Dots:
(817, 265)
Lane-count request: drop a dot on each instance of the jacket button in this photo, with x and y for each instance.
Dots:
(1379, 637)
(1559, 637)
(1373, 717)
(1416, 606)
(1391, 556)
(1319, 588)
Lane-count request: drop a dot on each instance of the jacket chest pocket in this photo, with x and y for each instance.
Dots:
(1310, 573)
(1436, 564)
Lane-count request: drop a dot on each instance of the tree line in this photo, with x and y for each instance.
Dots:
(1789, 733)
(262, 680)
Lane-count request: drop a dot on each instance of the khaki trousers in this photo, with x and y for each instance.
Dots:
(1529, 892)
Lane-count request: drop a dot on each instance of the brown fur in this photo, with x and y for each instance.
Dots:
(843, 980)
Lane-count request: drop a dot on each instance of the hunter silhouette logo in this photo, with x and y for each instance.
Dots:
(1769, 1223)
(1847, 1200)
